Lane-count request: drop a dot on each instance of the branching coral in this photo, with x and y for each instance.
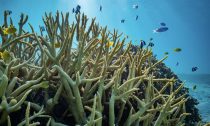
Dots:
(95, 83)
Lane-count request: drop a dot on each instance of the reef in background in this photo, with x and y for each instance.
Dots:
(99, 82)
(163, 71)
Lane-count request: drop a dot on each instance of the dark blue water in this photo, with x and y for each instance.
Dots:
(201, 93)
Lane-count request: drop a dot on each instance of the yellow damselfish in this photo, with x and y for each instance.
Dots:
(177, 50)
(166, 53)
(109, 44)
(10, 30)
(0, 55)
(57, 45)
(5, 55)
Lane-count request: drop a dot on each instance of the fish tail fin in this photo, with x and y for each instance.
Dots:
(154, 31)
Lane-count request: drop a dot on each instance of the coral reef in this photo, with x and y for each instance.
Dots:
(72, 75)
(162, 71)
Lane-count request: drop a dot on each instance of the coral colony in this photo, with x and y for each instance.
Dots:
(97, 82)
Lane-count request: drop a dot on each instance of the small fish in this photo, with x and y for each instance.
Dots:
(5, 55)
(78, 7)
(177, 64)
(100, 8)
(177, 50)
(194, 87)
(8, 12)
(194, 69)
(57, 44)
(110, 43)
(151, 39)
(1, 55)
(162, 24)
(135, 6)
(42, 28)
(142, 43)
(137, 17)
(151, 44)
(166, 53)
(123, 20)
(10, 30)
(161, 29)
(76, 10)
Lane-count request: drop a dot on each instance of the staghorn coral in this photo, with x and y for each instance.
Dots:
(87, 84)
